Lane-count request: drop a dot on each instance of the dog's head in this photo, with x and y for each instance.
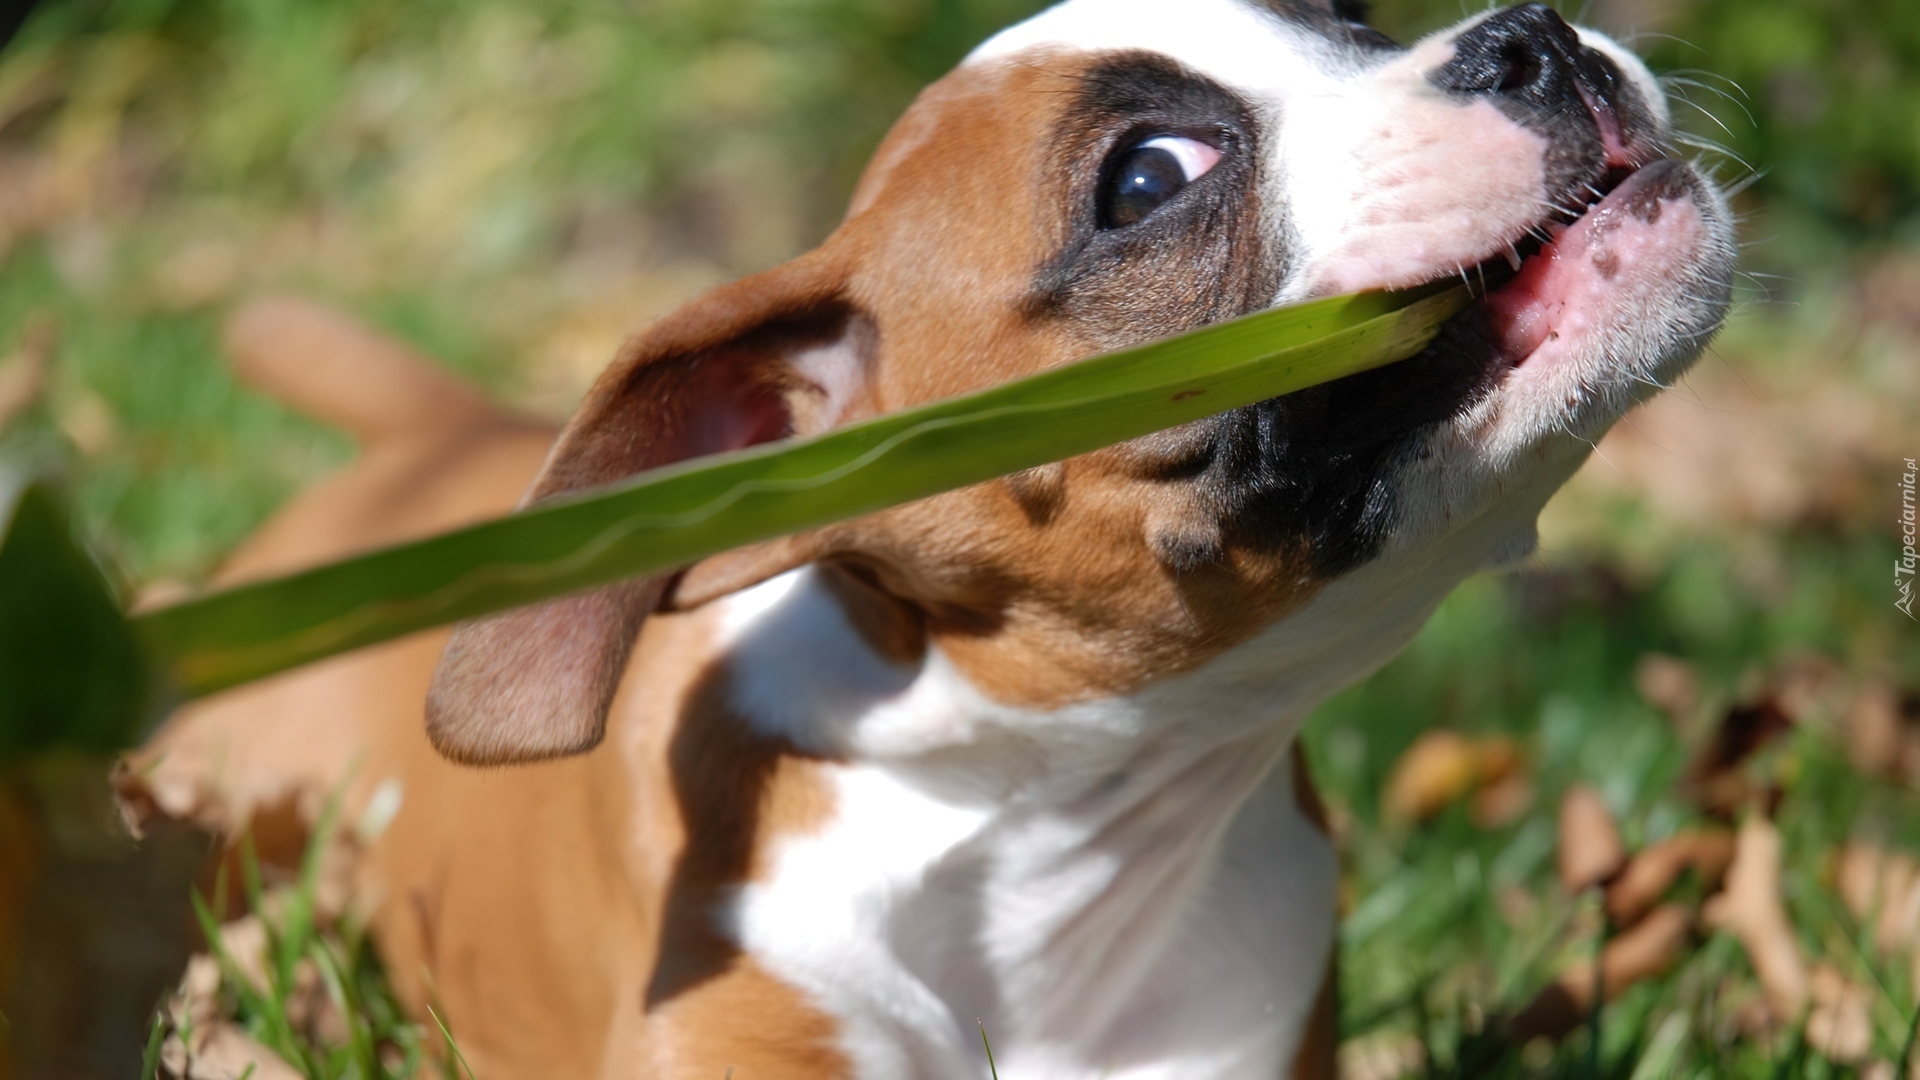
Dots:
(1117, 170)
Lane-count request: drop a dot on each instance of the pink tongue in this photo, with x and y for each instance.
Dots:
(1598, 267)
(1523, 312)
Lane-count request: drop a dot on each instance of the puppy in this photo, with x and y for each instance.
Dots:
(1017, 754)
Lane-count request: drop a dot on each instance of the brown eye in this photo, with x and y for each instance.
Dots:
(1150, 174)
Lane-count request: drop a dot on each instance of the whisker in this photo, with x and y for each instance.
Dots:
(1708, 113)
(1737, 88)
(1633, 40)
(1676, 80)
(1740, 186)
(1712, 147)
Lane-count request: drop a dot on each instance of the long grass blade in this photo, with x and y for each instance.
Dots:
(671, 517)
(156, 1036)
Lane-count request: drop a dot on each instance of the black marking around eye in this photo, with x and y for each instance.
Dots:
(1307, 469)
(1200, 255)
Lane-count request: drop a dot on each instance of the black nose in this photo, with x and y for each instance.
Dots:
(1527, 53)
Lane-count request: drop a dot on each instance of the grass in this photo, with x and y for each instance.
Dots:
(1434, 943)
(301, 983)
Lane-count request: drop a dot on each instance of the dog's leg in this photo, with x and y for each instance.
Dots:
(433, 455)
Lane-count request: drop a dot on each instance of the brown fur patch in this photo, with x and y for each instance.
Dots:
(1318, 1056)
(746, 1023)
(739, 794)
(890, 626)
(1305, 794)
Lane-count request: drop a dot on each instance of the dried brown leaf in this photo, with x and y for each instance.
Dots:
(1715, 779)
(1658, 867)
(1591, 851)
(1437, 769)
(1881, 889)
(224, 1052)
(1874, 736)
(1751, 910)
(1881, 729)
(1442, 767)
(1503, 802)
(1840, 1022)
(1649, 948)
(244, 940)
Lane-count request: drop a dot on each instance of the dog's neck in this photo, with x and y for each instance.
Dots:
(1124, 872)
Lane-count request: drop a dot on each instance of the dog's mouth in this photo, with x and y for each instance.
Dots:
(1313, 462)
(1526, 294)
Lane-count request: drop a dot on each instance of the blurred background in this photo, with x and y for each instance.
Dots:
(1707, 638)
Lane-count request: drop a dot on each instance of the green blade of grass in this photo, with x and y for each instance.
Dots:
(265, 1007)
(334, 972)
(993, 1071)
(156, 1035)
(670, 517)
(452, 1047)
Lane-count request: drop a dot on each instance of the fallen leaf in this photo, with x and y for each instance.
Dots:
(1649, 948)
(1715, 778)
(1882, 890)
(1875, 739)
(225, 1053)
(1840, 1023)
(1751, 910)
(244, 941)
(1503, 802)
(1657, 868)
(1643, 951)
(1591, 851)
(1442, 767)
(1882, 732)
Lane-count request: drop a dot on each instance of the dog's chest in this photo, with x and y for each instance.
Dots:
(1104, 903)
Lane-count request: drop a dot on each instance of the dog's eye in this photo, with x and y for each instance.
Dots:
(1150, 174)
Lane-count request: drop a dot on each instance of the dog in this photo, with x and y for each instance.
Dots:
(1019, 757)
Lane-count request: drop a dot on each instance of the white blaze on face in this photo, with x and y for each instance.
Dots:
(1390, 180)
(1256, 52)
(1379, 178)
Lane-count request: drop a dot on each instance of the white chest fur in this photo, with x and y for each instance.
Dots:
(1122, 888)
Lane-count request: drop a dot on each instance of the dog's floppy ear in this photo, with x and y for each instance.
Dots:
(779, 353)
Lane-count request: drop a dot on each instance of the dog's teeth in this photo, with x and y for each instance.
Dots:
(1513, 258)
